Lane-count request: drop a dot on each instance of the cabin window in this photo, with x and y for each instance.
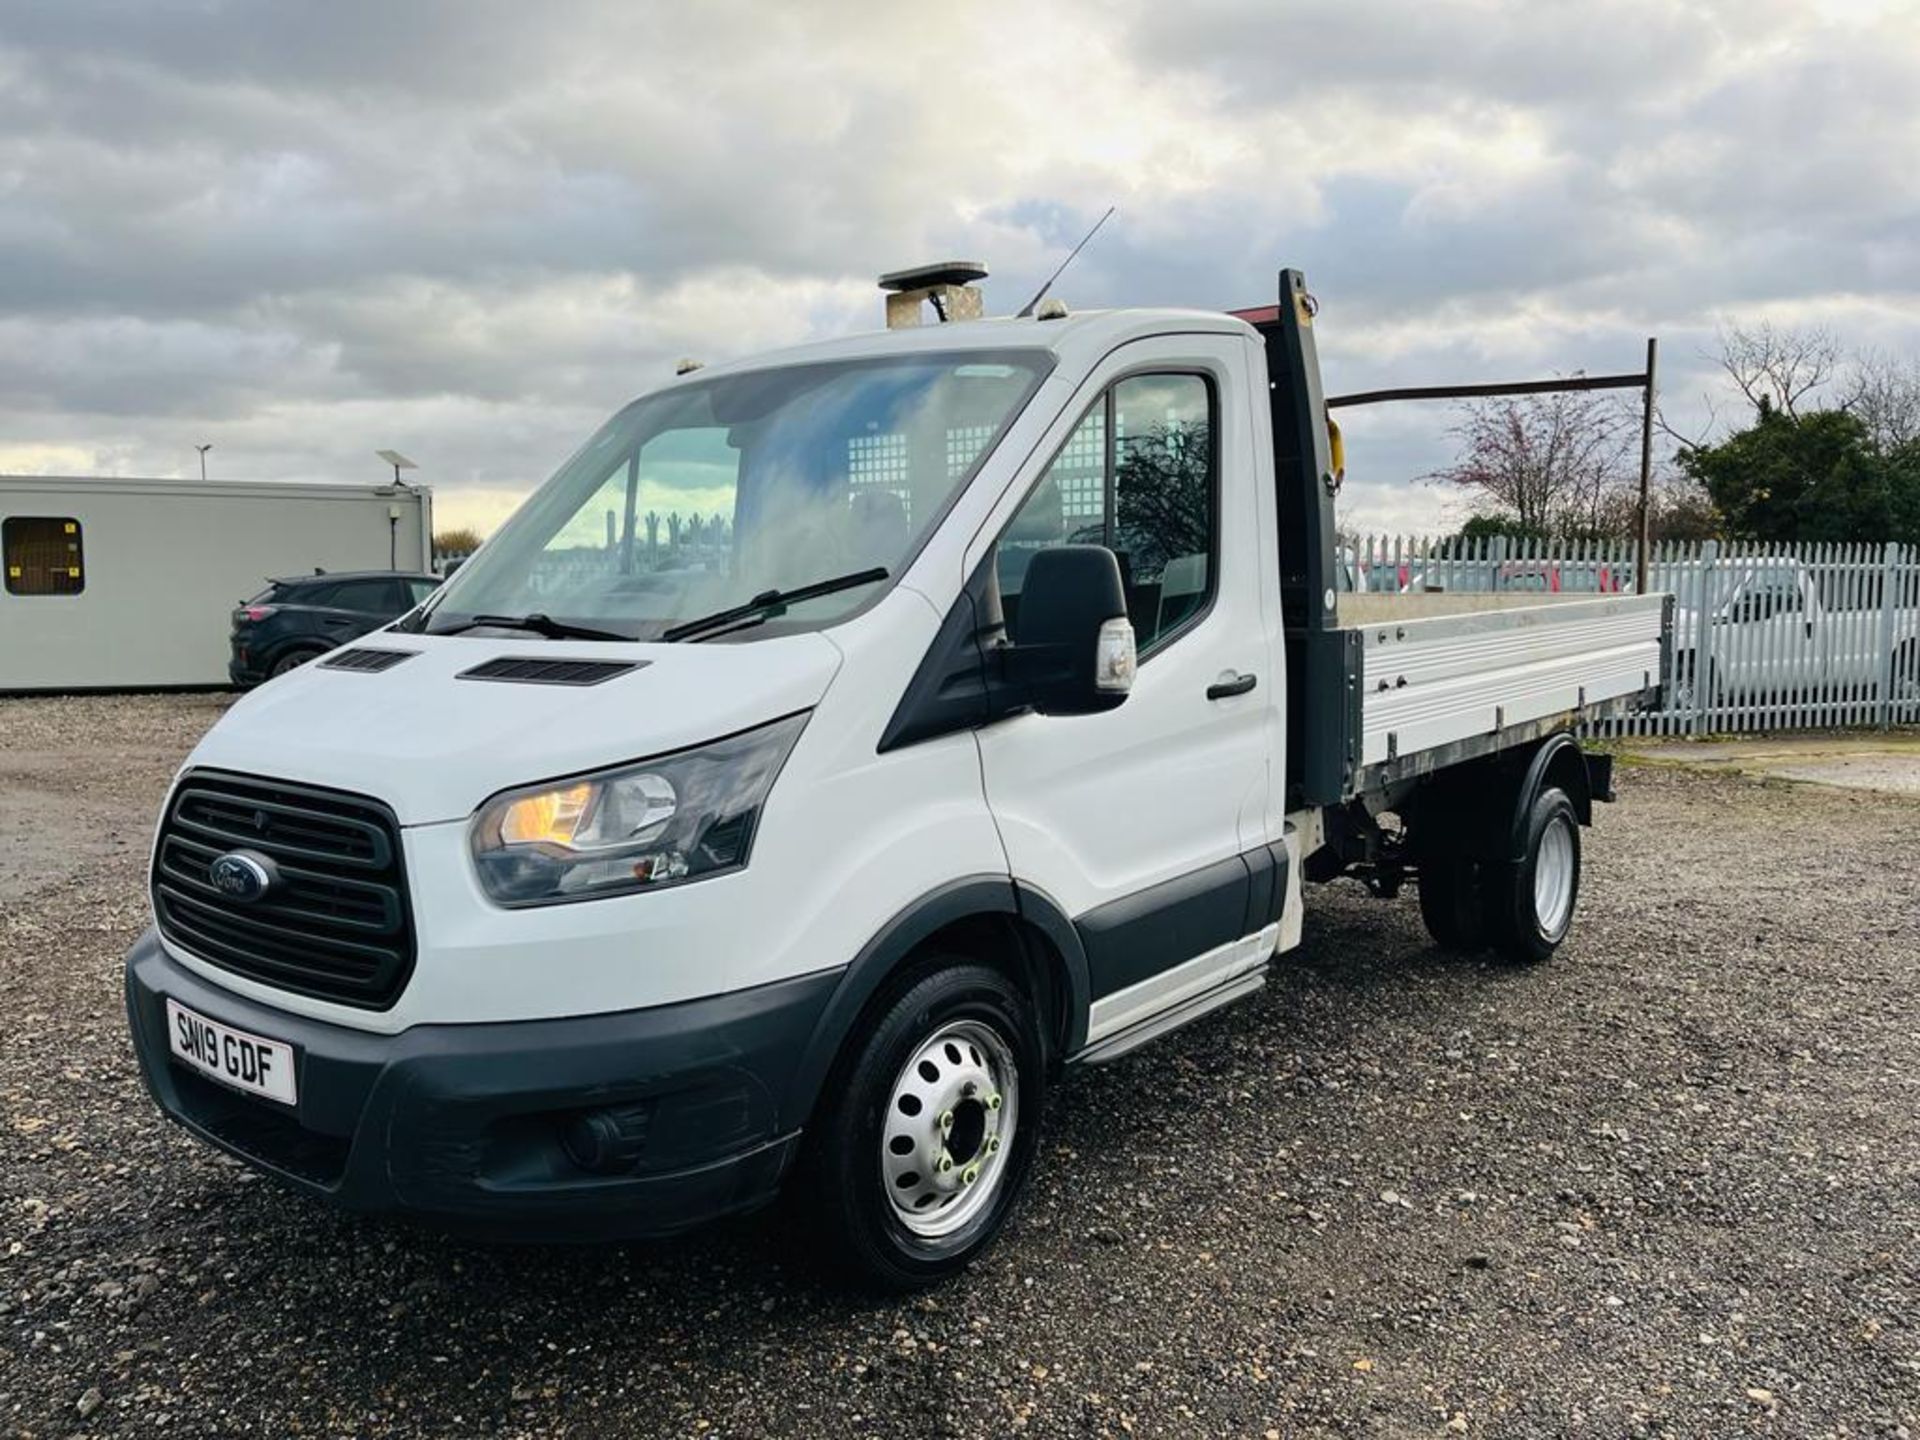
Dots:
(42, 555)
(1137, 475)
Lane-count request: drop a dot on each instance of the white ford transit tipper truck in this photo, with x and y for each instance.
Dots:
(842, 745)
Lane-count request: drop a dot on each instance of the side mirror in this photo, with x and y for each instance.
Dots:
(1075, 652)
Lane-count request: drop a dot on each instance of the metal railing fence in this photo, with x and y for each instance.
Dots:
(1766, 637)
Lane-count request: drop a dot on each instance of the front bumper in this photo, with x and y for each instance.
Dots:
(464, 1123)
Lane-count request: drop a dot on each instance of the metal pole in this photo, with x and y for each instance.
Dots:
(1646, 470)
(1503, 387)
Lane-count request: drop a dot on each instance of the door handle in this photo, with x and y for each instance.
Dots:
(1231, 684)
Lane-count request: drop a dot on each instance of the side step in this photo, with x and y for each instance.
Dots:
(1152, 1028)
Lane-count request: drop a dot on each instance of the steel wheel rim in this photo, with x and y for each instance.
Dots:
(1553, 876)
(948, 1131)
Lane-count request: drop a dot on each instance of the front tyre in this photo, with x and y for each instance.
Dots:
(1529, 904)
(928, 1132)
(1694, 693)
(1906, 677)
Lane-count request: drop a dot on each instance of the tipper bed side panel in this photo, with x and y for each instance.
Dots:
(1432, 682)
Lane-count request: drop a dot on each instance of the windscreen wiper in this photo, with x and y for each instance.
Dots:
(757, 609)
(539, 624)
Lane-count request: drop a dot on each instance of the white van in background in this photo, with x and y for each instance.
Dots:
(1766, 629)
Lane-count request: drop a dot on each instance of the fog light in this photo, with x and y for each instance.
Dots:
(607, 1142)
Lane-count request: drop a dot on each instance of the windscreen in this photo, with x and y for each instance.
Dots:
(715, 492)
(1726, 583)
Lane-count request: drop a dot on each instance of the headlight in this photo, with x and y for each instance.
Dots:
(659, 822)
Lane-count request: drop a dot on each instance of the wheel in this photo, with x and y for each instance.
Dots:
(292, 660)
(1449, 888)
(1691, 696)
(1906, 675)
(928, 1130)
(1529, 905)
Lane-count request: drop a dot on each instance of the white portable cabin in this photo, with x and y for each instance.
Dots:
(110, 584)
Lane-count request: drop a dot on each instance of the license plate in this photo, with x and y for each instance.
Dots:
(233, 1057)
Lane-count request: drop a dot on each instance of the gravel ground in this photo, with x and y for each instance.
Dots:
(1665, 1185)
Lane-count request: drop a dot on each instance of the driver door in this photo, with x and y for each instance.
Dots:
(1775, 657)
(1135, 822)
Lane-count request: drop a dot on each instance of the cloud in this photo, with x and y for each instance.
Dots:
(470, 230)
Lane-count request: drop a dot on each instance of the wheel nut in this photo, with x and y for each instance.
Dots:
(993, 1101)
(970, 1174)
(993, 1145)
(946, 1121)
(946, 1164)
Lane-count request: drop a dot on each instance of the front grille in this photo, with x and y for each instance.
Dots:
(336, 923)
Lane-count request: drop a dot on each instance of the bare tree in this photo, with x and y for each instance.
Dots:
(1883, 391)
(1556, 463)
(1775, 367)
(1681, 438)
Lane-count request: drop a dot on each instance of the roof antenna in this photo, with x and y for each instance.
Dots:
(1027, 309)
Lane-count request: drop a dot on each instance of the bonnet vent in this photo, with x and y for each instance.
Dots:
(367, 662)
(539, 670)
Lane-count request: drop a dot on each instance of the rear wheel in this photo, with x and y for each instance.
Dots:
(1450, 902)
(1529, 903)
(293, 660)
(928, 1131)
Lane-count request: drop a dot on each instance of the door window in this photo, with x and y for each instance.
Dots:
(372, 597)
(1138, 476)
(1768, 594)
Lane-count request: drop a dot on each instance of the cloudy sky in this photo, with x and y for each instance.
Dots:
(469, 230)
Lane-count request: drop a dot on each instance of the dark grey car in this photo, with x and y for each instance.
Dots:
(295, 619)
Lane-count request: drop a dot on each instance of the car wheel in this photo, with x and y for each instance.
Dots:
(1450, 902)
(1529, 904)
(1695, 694)
(292, 660)
(928, 1130)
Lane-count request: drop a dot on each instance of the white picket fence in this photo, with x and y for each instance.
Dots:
(1766, 637)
